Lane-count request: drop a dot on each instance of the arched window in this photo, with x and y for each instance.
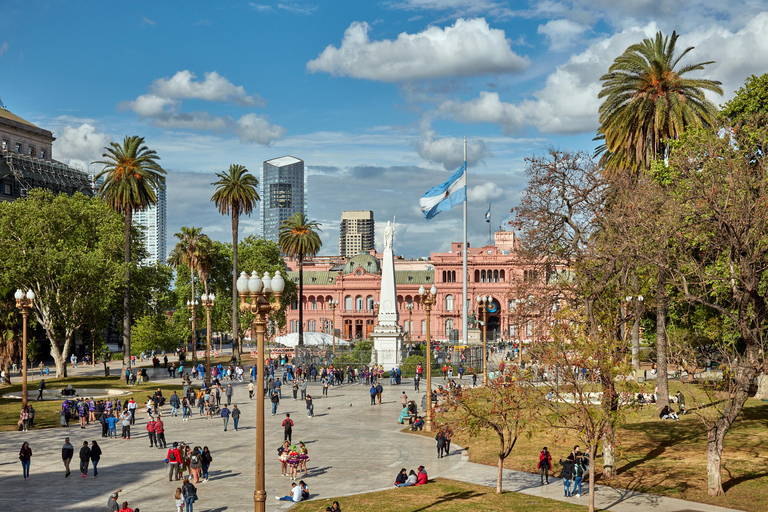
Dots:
(501, 275)
(477, 276)
(359, 303)
(348, 303)
(482, 276)
(453, 276)
(449, 302)
(495, 276)
(448, 327)
(423, 327)
(444, 277)
(369, 303)
(313, 303)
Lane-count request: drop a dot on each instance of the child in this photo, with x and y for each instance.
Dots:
(179, 500)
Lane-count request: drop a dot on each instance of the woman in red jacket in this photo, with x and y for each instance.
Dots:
(545, 464)
(422, 477)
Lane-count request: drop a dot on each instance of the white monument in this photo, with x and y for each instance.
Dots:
(388, 335)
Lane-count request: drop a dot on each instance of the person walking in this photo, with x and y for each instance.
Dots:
(275, 401)
(567, 476)
(250, 390)
(151, 432)
(310, 407)
(175, 402)
(95, 457)
(235, 416)
(189, 492)
(440, 438)
(173, 459)
(225, 416)
(379, 391)
(67, 452)
(196, 464)
(132, 406)
(40, 389)
(229, 393)
(372, 392)
(303, 388)
(207, 458)
(160, 433)
(404, 400)
(545, 464)
(448, 433)
(85, 459)
(287, 427)
(25, 456)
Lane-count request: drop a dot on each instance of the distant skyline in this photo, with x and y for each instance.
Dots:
(375, 97)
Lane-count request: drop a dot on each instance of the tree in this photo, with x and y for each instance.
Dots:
(193, 251)
(132, 175)
(648, 102)
(504, 406)
(235, 195)
(154, 332)
(298, 239)
(67, 250)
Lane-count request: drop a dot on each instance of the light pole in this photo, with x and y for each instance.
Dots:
(260, 305)
(409, 307)
(192, 305)
(207, 301)
(24, 302)
(333, 304)
(428, 298)
(483, 303)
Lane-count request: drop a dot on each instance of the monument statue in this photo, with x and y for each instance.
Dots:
(389, 235)
(388, 335)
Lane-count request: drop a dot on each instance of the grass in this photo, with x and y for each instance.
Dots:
(659, 457)
(441, 495)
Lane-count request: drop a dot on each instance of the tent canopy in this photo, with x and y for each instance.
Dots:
(311, 339)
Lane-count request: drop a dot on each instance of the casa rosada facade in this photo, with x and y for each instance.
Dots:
(354, 285)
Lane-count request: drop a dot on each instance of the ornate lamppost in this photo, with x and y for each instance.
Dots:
(207, 301)
(192, 305)
(483, 303)
(409, 307)
(264, 295)
(428, 298)
(24, 302)
(333, 304)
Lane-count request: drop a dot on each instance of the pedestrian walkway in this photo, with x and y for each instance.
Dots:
(353, 447)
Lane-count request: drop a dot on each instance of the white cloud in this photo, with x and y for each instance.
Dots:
(562, 34)
(147, 21)
(457, 7)
(298, 8)
(261, 7)
(484, 193)
(162, 107)
(449, 151)
(79, 146)
(466, 48)
(3, 48)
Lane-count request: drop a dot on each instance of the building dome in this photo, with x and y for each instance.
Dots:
(365, 261)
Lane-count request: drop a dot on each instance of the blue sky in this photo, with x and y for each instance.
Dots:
(374, 96)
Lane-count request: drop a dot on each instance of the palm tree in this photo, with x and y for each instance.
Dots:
(194, 251)
(235, 195)
(298, 239)
(132, 176)
(648, 102)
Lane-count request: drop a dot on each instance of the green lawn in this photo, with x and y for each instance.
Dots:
(441, 495)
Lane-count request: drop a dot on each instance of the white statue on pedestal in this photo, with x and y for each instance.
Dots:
(389, 235)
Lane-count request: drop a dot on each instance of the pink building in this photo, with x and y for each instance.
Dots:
(355, 283)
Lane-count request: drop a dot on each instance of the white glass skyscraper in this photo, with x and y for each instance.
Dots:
(152, 221)
(282, 185)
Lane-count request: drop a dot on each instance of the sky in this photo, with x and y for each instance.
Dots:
(374, 96)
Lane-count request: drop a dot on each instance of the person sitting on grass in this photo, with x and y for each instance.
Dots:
(668, 414)
(401, 477)
(411, 480)
(422, 477)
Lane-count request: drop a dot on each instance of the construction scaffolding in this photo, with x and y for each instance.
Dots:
(30, 172)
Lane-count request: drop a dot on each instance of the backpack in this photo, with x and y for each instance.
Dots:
(195, 459)
(172, 456)
(280, 450)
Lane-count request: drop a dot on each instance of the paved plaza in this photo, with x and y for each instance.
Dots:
(353, 447)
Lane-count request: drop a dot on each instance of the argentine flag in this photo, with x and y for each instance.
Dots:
(446, 195)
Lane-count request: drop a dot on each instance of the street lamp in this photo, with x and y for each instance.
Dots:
(483, 303)
(333, 304)
(260, 305)
(207, 301)
(409, 307)
(191, 305)
(428, 298)
(24, 302)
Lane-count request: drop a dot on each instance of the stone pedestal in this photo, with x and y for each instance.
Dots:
(387, 346)
(474, 336)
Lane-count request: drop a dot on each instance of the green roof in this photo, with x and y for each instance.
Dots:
(315, 277)
(415, 277)
(328, 278)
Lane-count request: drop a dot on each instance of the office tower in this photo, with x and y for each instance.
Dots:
(356, 232)
(152, 221)
(282, 185)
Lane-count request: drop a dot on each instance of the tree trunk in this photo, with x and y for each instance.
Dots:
(235, 310)
(610, 405)
(637, 310)
(714, 452)
(609, 452)
(127, 295)
(59, 355)
(762, 387)
(301, 302)
(592, 451)
(499, 475)
(661, 341)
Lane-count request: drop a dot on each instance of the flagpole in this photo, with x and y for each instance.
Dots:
(490, 223)
(464, 333)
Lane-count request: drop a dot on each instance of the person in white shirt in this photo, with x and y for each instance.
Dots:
(295, 495)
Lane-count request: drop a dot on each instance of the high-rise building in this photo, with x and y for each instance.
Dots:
(356, 232)
(152, 220)
(282, 185)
